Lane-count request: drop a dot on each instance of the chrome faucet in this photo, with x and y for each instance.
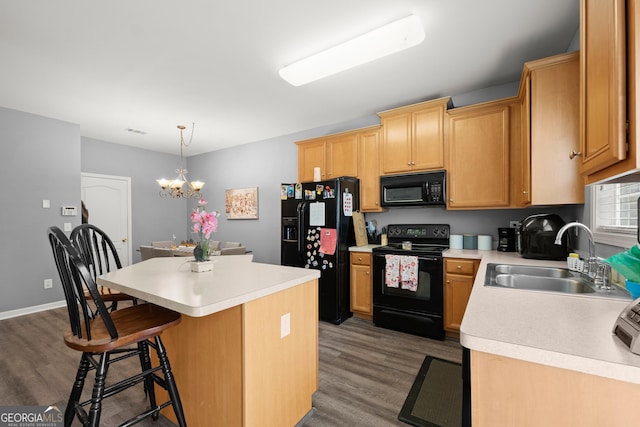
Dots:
(597, 269)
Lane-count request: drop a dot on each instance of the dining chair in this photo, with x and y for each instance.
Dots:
(107, 338)
(162, 244)
(100, 256)
(146, 252)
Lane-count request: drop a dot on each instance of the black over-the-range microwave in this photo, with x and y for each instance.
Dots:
(416, 189)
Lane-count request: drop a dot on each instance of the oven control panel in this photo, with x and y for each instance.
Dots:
(418, 231)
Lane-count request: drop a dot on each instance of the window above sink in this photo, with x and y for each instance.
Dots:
(614, 213)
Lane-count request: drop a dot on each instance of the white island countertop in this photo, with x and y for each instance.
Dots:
(568, 331)
(234, 280)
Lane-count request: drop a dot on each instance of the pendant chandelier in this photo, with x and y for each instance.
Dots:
(174, 188)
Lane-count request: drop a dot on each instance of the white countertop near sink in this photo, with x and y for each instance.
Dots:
(565, 331)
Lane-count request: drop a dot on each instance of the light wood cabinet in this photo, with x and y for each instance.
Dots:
(413, 137)
(335, 155)
(542, 395)
(603, 84)
(478, 150)
(607, 27)
(311, 154)
(342, 155)
(353, 153)
(369, 169)
(549, 165)
(361, 285)
(459, 275)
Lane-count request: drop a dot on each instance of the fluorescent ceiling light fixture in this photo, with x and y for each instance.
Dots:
(391, 38)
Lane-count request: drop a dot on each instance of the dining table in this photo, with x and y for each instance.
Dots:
(246, 350)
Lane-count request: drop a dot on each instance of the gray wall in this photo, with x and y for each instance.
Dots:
(153, 218)
(40, 160)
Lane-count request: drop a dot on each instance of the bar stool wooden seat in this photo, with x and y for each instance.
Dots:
(100, 256)
(107, 338)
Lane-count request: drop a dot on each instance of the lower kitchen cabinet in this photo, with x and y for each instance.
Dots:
(361, 285)
(459, 275)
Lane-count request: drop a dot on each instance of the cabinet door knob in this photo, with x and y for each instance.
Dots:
(448, 281)
(525, 192)
(574, 154)
(459, 267)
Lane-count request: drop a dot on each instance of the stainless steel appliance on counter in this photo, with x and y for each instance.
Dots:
(536, 235)
(316, 232)
(414, 307)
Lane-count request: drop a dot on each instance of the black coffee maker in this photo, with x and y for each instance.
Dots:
(507, 239)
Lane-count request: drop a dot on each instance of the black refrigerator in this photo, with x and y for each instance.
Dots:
(316, 232)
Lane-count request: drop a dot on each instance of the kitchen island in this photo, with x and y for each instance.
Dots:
(246, 351)
(543, 358)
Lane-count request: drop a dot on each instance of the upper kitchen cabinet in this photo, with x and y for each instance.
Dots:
(603, 80)
(335, 155)
(369, 169)
(478, 150)
(603, 21)
(413, 137)
(550, 95)
(311, 154)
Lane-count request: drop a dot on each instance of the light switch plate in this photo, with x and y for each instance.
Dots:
(46, 204)
(285, 325)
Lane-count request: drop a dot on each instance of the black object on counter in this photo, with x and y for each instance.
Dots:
(536, 237)
(507, 239)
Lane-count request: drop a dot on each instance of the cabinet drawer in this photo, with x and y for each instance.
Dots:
(361, 258)
(460, 266)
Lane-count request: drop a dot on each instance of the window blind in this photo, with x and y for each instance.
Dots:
(617, 207)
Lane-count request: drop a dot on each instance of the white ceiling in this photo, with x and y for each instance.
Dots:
(150, 65)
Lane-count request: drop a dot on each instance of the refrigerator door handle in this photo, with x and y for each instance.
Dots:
(300, 210)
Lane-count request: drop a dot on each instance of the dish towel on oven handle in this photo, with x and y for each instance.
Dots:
(401, 272)
(409, 273)
(392, 271)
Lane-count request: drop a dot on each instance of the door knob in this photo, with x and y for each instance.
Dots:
(574, 154)
(124, 240)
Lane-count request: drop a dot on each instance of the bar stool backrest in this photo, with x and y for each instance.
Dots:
(75, 278)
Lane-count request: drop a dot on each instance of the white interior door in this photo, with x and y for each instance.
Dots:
(108, 200)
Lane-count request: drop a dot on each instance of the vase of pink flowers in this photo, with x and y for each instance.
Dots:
(204, 224)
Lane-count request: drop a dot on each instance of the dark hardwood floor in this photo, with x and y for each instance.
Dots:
(365, 371)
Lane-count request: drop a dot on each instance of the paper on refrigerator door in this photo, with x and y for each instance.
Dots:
(347, 204)
(316, 214)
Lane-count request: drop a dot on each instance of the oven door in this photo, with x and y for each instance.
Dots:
(426, 298)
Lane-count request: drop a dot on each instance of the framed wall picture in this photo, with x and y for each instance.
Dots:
(241, 203)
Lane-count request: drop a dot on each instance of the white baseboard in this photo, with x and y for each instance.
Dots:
(30, 310)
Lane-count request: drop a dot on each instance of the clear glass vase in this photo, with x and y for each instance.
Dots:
(201, 251)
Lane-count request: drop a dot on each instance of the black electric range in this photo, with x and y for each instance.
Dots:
(418, 307)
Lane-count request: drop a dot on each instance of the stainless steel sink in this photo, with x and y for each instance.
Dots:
(569, 285)
(530, 270)
(548, 279)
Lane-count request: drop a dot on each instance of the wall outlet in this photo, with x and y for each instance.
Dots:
(48, 283)
(285, 325)
(514, 224)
